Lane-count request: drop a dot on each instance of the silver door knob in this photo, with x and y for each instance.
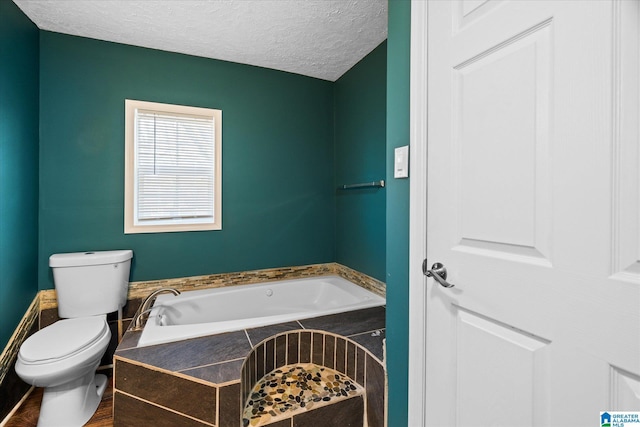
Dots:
(438, 272)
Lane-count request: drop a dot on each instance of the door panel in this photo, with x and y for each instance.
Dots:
(500, 154)
(534, 207)
(511, 373)
(626, 154)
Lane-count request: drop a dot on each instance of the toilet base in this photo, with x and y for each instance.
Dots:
(72, 404)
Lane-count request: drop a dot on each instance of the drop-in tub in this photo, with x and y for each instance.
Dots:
(211, 311)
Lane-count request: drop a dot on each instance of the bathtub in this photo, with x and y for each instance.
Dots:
(211, 311)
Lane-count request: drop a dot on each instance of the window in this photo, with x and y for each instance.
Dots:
(172, 168)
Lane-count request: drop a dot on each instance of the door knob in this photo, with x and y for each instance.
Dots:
(438, 272)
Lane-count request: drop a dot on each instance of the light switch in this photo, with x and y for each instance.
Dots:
(401, 162)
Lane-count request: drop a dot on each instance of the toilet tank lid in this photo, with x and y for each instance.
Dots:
(78, 259)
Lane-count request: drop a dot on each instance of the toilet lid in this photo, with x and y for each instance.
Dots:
(63, 339)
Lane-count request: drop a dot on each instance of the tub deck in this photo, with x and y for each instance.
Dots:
(210, 367)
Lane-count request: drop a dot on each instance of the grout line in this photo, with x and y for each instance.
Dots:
(209, 364)
(367, 332)
(217, 406)
(133, 396)
(247, 334)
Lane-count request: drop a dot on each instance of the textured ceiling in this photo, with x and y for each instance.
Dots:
(317, 38)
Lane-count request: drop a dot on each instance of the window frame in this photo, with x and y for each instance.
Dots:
(130, 227)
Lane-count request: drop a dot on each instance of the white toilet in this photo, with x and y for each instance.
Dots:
(63, 357)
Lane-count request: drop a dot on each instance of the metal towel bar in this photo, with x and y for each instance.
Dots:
(374, 184)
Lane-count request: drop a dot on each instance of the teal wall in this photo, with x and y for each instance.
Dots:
(360, 145)
(278, 186)
(288, 142)
(398, 53)
(18, 166)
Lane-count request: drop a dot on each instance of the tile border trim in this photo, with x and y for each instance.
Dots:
(139, 290)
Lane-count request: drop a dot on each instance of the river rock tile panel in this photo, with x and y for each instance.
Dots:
(291, 389)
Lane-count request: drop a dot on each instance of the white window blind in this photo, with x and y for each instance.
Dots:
(175, 168)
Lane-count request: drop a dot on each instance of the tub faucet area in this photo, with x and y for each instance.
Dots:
(146, 306)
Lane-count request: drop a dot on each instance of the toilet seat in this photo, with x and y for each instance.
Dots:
(63, 340)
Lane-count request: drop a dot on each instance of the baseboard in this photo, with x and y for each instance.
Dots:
(16, 407)
(21, 333)
(12, 389)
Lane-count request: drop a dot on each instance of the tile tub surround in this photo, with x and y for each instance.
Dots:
(211, 368)
(48, 305)
(43, 312)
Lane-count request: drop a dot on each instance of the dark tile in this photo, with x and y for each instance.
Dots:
(12, 388)
(125, 325)
(292, 348)
(349, 323)
(251, 367)
(330, 351)
(372, 341)
(11, 391)
(375, 392)
(269, 355)
(341, 355)
(249, 377)
(131, 307)
(244, 382)
(317, 354)
(259, 350)
(305, 347)
(129, 340)
(281, 351)
(107, 358)
(361, 356)
(351, 360)
(258, 334)
(48, 317)
(343, 413)
(131, 412)
(218, 373)
(229, 406)
(194, 352)
(166, 390)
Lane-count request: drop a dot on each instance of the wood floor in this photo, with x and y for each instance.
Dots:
(27, 414)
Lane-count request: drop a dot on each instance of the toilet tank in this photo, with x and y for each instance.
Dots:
(90, 283)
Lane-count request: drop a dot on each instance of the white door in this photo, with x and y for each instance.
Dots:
(533, 207)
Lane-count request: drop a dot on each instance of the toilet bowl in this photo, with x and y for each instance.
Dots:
(63, 359)
(64, 356)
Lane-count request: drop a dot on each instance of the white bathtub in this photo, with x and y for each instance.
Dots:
(211, 311)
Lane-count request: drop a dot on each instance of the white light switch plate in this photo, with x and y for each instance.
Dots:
(401, 162)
